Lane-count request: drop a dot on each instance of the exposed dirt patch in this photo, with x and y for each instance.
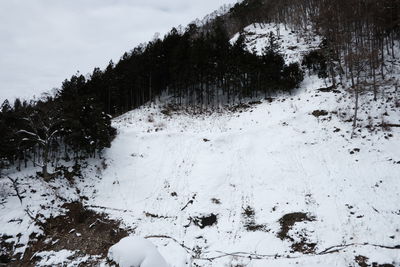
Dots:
(255, 103)
(205, 221)
(170, 109)
(216, 201)
(173, 109)
(6, 250)
(70, 175)
(79, 229)
(304, 246)
(362, 261)
(239, 108)
(355, 150)
(287, 222)
(243, 106)
(250, 224)
(329, 89)
(320, 113)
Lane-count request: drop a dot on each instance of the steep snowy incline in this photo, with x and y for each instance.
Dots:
(281, 182)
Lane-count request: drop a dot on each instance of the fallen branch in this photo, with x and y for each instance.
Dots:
(34, 219)
(255, 256)
(389, 125)
(107, 208)
(15, 184)
(251, 256)
(95, 222)
(189, 202)
(337, 248)
(173, 239)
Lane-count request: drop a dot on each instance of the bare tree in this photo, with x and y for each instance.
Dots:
(358, 60)
(42, 129)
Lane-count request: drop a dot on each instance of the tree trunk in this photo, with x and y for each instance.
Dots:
(355, 110)
(45, 173)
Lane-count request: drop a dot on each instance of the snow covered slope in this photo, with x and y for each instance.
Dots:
(275, 183)
(252, 169)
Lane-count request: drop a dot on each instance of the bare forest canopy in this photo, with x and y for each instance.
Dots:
(358, 34)
(199, 66)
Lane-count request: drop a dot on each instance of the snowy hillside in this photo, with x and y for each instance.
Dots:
(273, 183)
(251, 169)
(293, 45)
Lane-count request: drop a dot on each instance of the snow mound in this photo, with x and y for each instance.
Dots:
(135, 251)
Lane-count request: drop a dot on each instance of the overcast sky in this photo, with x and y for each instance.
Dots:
(42, 42)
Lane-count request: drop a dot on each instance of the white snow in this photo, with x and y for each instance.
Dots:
(276, 158)
(135, 251)
(52, 258)
(64, 258)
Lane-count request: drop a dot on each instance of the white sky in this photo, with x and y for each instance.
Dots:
(43, 42)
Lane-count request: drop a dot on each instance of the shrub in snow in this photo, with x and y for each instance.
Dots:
(136, 252)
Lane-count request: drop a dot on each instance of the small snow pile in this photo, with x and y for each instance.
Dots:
(134, 251)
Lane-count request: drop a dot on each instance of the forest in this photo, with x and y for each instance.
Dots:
(360, 36)
(198, 66)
